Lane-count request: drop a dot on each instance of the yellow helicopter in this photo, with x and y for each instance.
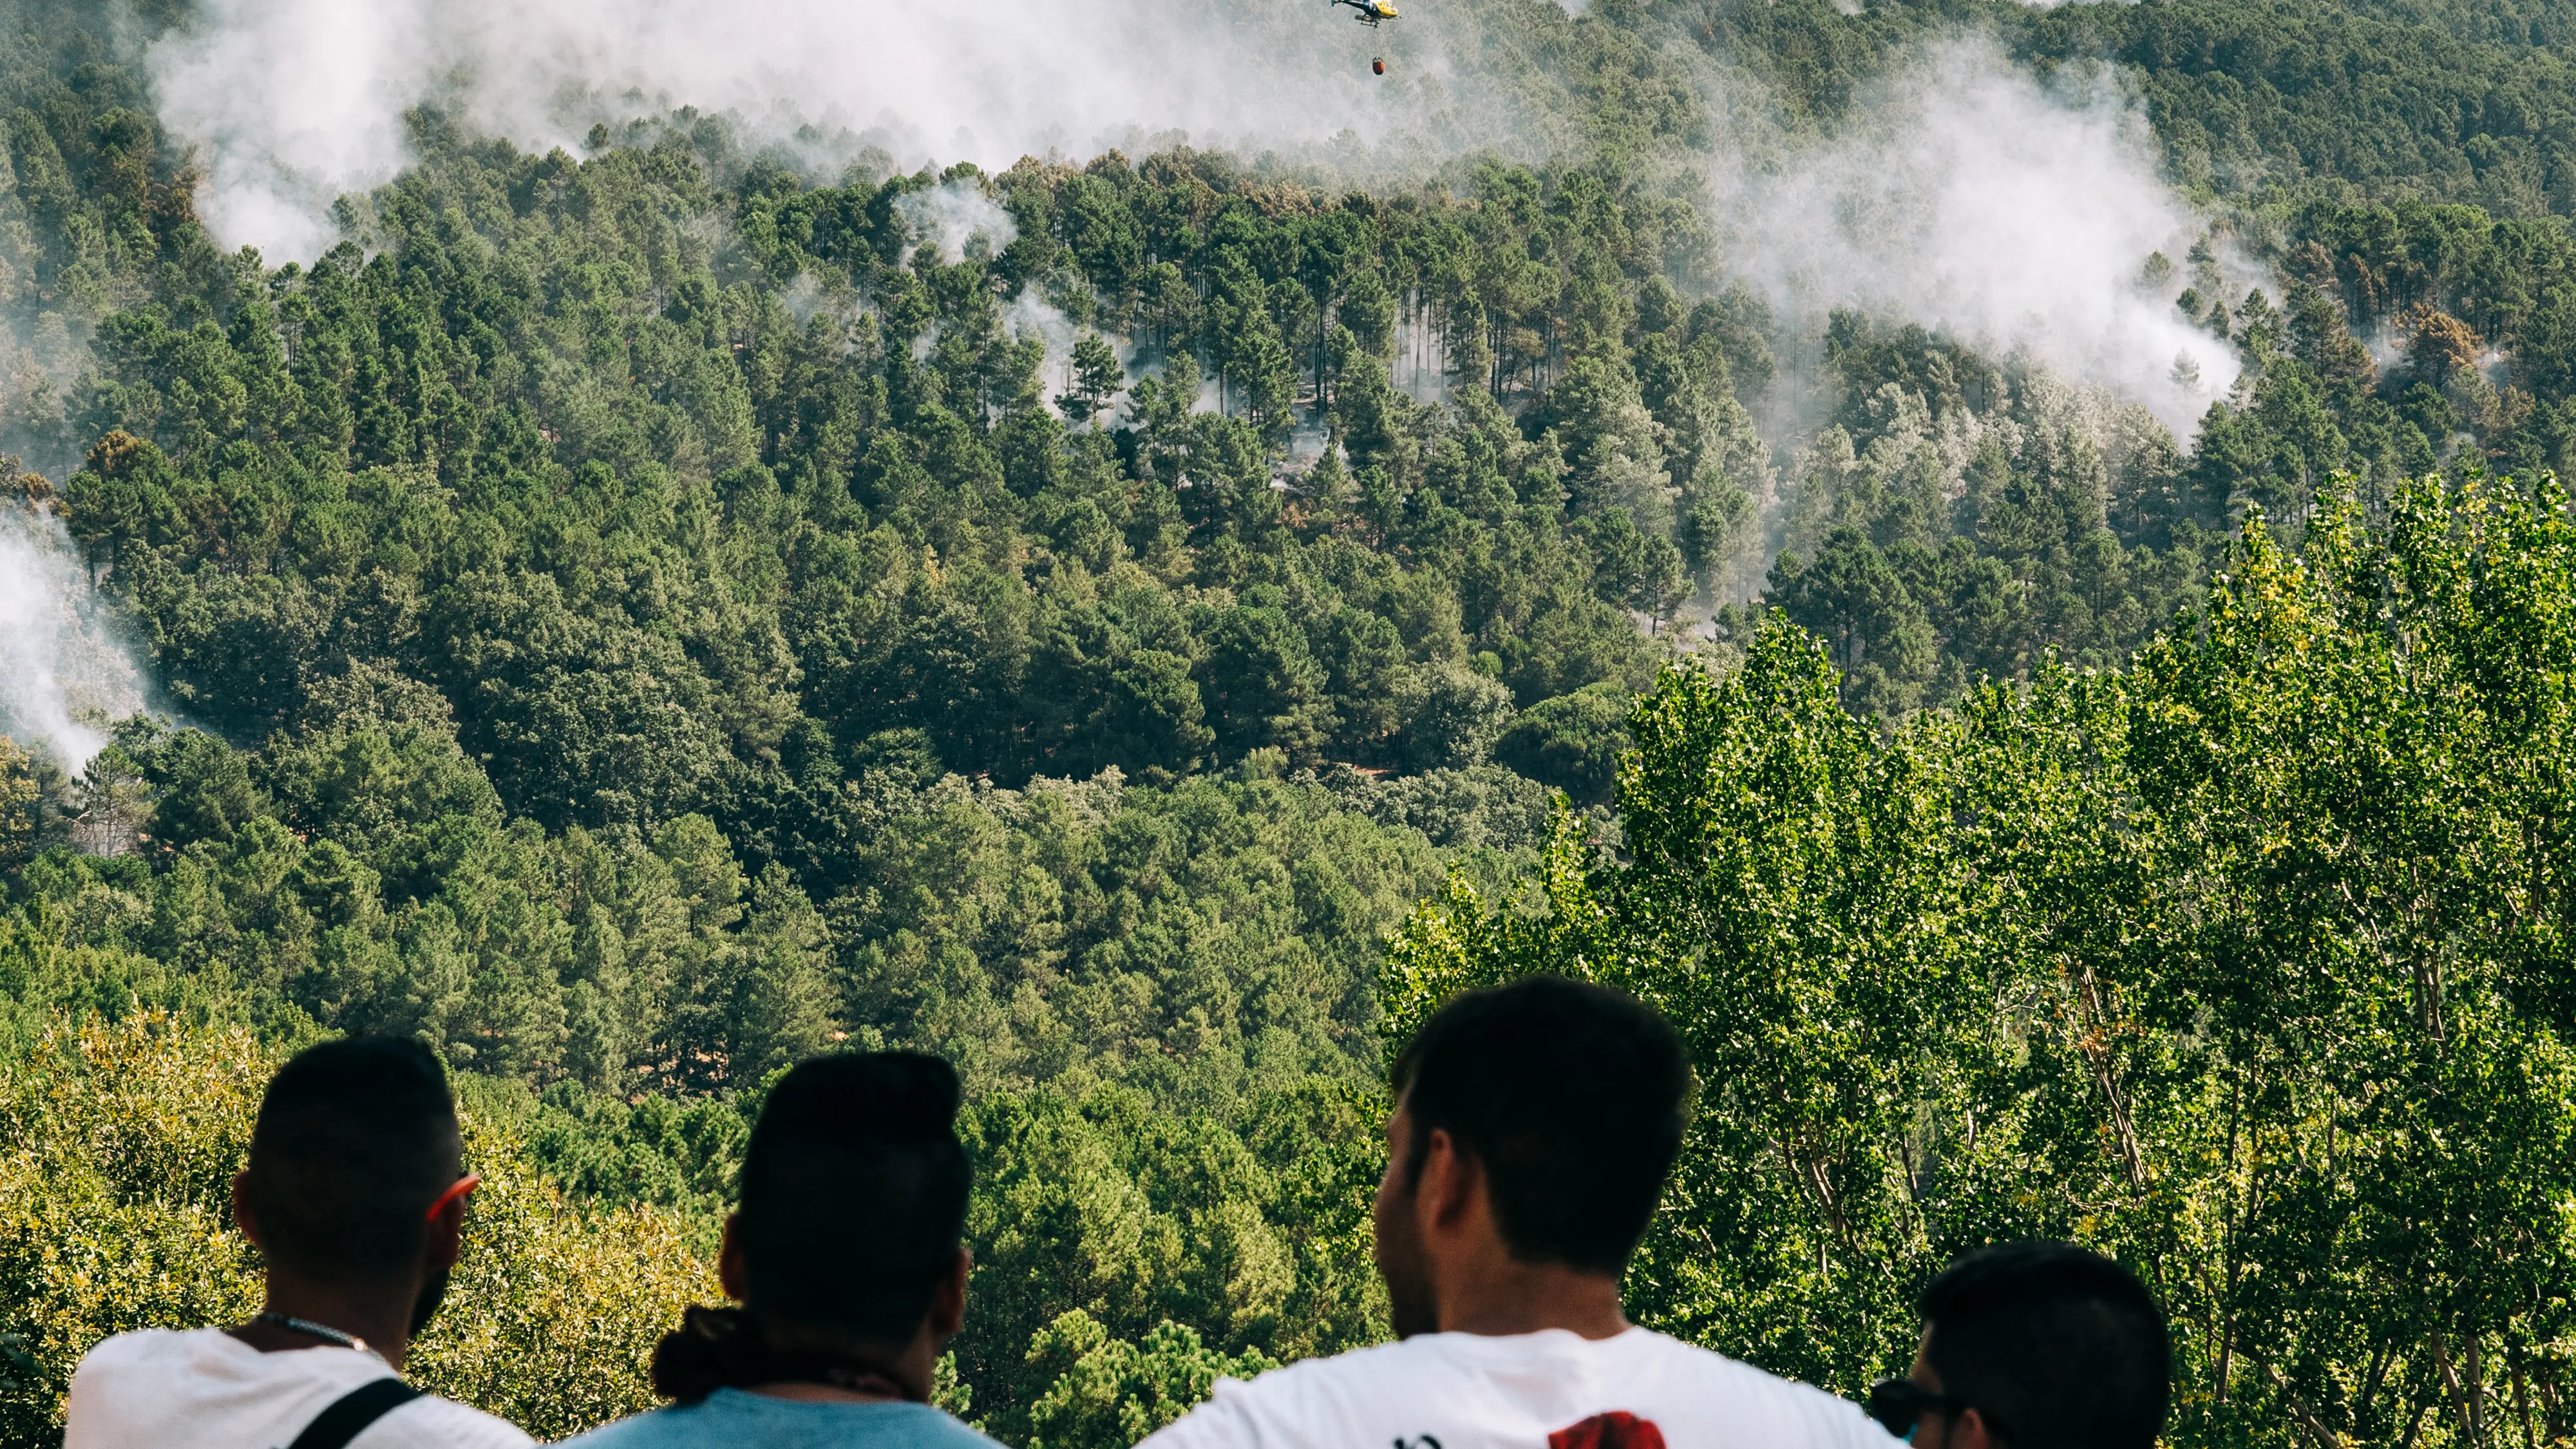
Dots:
(1370, 11)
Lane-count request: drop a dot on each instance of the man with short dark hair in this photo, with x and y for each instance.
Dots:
(1533, 1128)
(355, 1196)
(2040, 1343)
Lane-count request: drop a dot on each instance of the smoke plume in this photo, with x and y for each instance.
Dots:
(1968, 197)
(295, 102)
(952, 215)
(64, 670)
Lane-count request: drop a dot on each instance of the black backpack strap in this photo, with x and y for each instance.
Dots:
(351, 1413)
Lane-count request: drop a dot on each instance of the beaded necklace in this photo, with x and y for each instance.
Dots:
(321, 1331)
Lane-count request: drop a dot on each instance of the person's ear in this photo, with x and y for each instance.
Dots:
(731, 1275)
(948, 1300)
(444, 1241)
(1969, 1431)
(1448, 1183)
(243, 1217)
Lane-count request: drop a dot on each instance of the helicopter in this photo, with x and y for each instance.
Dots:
(1370, 11)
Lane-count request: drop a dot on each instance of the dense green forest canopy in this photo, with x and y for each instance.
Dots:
(2250, 963)
(638, 618)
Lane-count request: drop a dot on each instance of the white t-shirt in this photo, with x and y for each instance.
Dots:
(204, 1387)
(1548, 1390)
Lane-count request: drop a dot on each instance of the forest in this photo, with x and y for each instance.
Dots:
(1148, 626)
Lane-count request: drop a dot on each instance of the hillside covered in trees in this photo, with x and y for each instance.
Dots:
(639, 617)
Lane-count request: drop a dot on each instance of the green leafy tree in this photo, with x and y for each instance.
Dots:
(19, 805)
(1261, 685)
(1109, 1393)
(1098, 379)
(1572, 742)
(2210, 963)
(1451, 716)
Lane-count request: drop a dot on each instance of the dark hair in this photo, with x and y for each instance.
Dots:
(853, 1204)
(355, 1139)
(2053, 1344)
(1573, 1098)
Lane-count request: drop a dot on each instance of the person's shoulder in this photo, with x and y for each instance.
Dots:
(142, 1346)
(1794, 1412)
(926, 1425)
(143, 1361)
(1403, 1355)
(1308, 1390)
(669, 1425)
(944, 1429)
(725, 1417)
(1707, 1364)
(118, 1370)
(430, 1422)
(1351, 1367)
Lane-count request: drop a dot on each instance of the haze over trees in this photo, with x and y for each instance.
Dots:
(639, 618)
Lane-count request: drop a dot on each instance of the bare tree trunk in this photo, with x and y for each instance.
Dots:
(2451, 1384)
(2226, 1357)
(2299, 1411)
(2522, 1398)
(2474, 1374)
(2097, 1051)
(2370, 1386)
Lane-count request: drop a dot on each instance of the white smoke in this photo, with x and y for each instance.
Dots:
(64, 670)
(1031, 315)
(954, 214)
(295, 102)
(1967, 197)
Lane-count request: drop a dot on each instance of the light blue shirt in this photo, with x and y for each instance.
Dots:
(729, 1418)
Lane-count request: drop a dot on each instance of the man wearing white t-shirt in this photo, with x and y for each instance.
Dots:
(355, 1195)
(1533, 1129)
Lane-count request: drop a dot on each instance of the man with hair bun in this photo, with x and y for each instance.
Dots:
(1534, 1125)
(355, 1196)
(847, 1256)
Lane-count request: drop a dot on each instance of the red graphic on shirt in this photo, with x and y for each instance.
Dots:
(1617, 1429)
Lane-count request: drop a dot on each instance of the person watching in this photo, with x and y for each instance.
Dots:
(2038, 1343)
(847, 1257)
(355, 1197)
(1533, 1129)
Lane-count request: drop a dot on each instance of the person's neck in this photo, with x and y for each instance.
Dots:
(829, 1394)
(378, 1315)
(906, 1377)
(1508, 1297)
